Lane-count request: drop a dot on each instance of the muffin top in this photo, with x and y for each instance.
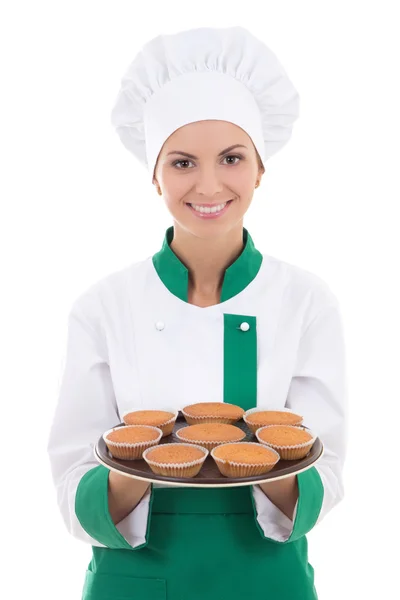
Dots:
(243, 452)
(171, 453)
(132, 434)
(214, 409)
(148, 417)
(274, 417)
(283, 435)
(212, 432)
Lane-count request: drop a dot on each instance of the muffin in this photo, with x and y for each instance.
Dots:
(212, 412)
(291, 442)
(244, 459)
(163, 419)
(259, 417)
(210, 435)
(176, 460)
(130, 441)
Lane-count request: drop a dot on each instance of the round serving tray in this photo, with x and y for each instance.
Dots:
(209, 475)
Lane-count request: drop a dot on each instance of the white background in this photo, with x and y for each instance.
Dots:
(76, 206)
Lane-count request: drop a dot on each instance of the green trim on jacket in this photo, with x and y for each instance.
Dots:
(311, 495)
(91, 508)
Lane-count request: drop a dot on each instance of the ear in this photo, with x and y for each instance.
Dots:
(259, 177)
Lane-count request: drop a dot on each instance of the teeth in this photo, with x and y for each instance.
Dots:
(207, 209)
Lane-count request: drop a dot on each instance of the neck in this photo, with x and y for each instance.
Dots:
(207, 258)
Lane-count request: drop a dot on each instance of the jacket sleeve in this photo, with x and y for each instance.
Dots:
(318, 392)
(86, 408)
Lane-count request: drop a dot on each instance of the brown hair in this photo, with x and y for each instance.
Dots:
(260, 163)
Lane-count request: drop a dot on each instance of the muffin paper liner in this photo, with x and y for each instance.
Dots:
(292, 452)
(188, 469)
(127, 451)
(255, 426)
(209, 444)
(167, 427)
(231, 468)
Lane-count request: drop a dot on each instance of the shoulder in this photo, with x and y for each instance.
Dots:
(302, 288)
(110, 293)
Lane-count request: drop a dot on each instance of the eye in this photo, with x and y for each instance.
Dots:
(233, 156)
(180, 162)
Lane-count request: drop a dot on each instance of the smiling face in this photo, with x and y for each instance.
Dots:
(208, 163)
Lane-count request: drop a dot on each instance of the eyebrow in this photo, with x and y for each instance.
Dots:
(195, 157)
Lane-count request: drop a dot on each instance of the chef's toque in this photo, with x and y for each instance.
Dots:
(201, 74)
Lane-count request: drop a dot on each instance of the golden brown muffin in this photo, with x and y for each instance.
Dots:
(130, 441)
(175, 453)
(210, 435)
(244, 459)
(163, 419)
(260, 418)
(176, 460)
(291, 442)
(245, 452)
(212, 412)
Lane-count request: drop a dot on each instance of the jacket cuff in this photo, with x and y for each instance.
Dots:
(91, 508)
(307, 510)
(134, 526)
(272, 521)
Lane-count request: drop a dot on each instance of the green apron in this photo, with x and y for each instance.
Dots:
(203, 543)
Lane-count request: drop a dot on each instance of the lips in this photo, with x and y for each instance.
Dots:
(210, 215)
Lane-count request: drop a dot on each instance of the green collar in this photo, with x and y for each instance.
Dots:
(175, 276)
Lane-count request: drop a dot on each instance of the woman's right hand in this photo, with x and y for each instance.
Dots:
(124, 494)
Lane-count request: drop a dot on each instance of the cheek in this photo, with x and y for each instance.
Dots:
(241, 176)
(242, 185)
(175, 187)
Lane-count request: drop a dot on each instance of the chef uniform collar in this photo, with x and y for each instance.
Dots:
(175, 275)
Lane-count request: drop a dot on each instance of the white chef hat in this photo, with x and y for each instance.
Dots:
(204, 74)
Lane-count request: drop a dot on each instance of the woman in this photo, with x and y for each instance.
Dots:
(206, 318)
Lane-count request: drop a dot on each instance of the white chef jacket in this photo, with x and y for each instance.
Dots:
(134, 344)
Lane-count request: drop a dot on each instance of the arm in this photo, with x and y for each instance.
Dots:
(91, 500)
(318, 392)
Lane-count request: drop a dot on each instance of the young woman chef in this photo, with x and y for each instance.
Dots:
(206, 318)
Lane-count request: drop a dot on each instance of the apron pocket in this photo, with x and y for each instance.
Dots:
(101, 586)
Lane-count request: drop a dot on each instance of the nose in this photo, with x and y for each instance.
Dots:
(208, 182)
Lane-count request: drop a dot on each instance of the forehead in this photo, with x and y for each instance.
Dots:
(211, 134)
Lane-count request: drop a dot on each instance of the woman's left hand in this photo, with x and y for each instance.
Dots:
(283, 493)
